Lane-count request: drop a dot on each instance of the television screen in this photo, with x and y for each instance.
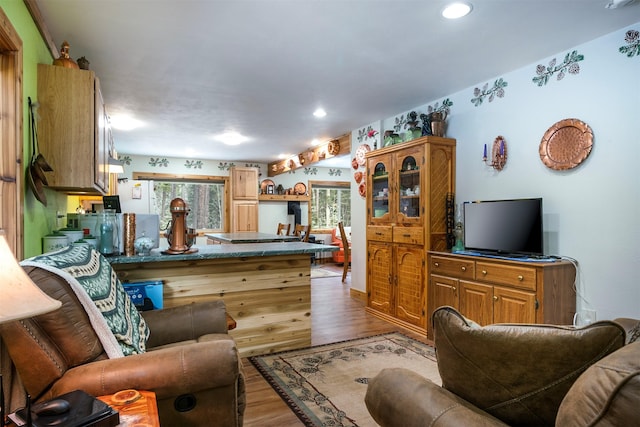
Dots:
(509, 227)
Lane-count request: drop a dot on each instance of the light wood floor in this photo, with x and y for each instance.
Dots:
(335, 316)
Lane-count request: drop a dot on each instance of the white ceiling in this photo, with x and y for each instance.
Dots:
(191, 69)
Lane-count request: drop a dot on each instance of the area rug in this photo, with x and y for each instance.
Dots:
(325, 385)
(320, 272)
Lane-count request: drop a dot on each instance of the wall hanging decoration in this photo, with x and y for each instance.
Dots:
(193, 164)
(400, 122)
(632, 37)
(496, 90)
(498, 154)
(566, 144)
(569, 65)
(361, 151)
(158, 162)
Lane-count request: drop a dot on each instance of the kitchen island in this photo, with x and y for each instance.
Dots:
(266, 287)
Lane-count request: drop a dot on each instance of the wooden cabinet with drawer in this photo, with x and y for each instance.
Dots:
(406, 196)
(488, 290)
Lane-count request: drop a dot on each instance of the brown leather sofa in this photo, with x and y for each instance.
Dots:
(519, 375)
(191, 363)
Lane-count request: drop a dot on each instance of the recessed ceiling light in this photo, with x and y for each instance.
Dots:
(231, 138)
(315, 142)
(456, 10)
(319, 113)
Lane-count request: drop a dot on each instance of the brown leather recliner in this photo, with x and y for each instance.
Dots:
(524, 375)
(191, 363)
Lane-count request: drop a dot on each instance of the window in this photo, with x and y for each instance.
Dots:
(330, 204)
(204, 195)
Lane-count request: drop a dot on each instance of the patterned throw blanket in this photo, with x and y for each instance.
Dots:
(121, 329)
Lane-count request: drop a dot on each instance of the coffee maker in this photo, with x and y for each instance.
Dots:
(180, 237)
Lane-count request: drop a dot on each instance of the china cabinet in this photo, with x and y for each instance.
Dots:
(407, 186)
(491, 290)
(244, 199)
(72, 129)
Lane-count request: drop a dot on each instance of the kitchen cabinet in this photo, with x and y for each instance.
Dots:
(496, 290)
(407, 185)
(244, 199)
(72, 129)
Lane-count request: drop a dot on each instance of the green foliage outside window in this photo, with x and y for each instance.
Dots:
(205, 201)
(330, 205)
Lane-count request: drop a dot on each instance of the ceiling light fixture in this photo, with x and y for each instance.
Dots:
(319, 113)
(456, 10)
(124, 122)
(231, 138)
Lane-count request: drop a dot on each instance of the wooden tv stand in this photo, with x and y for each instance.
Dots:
(495, 290)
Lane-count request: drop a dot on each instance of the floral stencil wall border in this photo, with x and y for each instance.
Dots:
(496, 90)
(632, 37)
(569, 65)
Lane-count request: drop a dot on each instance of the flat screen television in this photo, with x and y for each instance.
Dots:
(504, 227)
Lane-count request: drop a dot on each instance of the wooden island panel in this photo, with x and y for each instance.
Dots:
(268, 296)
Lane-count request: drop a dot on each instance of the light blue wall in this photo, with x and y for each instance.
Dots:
(591, 212)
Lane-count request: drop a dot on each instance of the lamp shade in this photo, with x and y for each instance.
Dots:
(20, 298)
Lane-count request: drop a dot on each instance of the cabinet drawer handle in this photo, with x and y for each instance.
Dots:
(495, 298)
(453, 288)
(436, 264)
(484, 272)
(520, 278)
(406, 235)
(378, 233)
(463, 268)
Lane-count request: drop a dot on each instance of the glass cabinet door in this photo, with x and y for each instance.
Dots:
(379, 189)
(408, 182)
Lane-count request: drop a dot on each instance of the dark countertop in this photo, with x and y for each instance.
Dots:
(228, 251)
(250, 237)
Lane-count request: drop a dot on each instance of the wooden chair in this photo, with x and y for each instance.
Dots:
(347, 250)
(302, 231)
(283, 229)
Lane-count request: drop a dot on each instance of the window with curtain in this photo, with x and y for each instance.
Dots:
(330, 204)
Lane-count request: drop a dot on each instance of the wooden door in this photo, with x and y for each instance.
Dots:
(408, 194)
(244, 183)
(476, 302)
(410, 286)
(245, 216)
(513, 306)
(380, 189)
(379, 281)
(444, 291)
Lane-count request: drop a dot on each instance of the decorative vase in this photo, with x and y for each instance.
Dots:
(65, 60)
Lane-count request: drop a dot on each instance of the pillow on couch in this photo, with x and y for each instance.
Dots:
(517, 373)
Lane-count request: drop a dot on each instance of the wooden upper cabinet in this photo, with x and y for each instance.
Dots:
(244, 183)
(71, 129)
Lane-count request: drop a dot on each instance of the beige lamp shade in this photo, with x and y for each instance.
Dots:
(20, 298)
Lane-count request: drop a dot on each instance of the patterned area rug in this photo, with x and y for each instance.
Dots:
(320, 272)
(325, 385)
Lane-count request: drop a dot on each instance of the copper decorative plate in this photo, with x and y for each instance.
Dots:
(360, 153)
(566, 144)
(300, 188)
(264, 184)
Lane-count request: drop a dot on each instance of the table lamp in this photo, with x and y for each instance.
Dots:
(21, 298)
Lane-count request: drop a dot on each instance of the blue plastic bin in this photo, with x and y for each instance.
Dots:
(138, 291)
